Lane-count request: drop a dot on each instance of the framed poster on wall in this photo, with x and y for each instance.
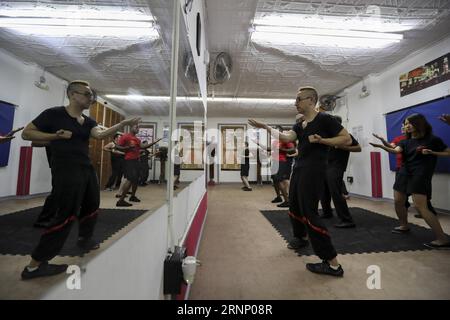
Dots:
(193, 145)
(232, 140)
(147, 132)
(425, 76)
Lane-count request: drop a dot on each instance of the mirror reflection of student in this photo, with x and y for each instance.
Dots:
(178, 156)
(117, 162)
(245, 167)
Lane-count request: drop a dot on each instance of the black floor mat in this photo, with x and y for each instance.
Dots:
(17, 235)
(372, 233)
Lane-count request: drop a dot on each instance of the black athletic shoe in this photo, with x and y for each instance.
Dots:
(87, 244)
(44, 270)
(277, 199)
(41, 224)
(134, 199)
(324, 268)
(283, 205)
(123, 203)
(297, 243)
(247, 189)
(345, 225)
(398, 230)
(445, 246)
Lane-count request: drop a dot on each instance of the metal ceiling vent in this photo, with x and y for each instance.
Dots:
(328, 102)
(219, 70)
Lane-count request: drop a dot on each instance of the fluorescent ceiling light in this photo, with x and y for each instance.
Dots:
(210, 99)
(9, 22)
(323, 31)
(330, 32)
(77, 21)
(57, 31)
(75, 12)
(374, 23)
(320, 41)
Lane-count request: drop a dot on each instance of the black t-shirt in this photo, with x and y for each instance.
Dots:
(48, 152)
(315, 154)
(338, 158)
(66, 151)
(144, 156)
(115, 156)
(247, 159)
(416, 163)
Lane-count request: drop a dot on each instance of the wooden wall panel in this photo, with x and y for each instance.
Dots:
(106, 158)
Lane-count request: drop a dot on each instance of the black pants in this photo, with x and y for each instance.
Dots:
(344, 188)
(49, 208)
(76, 196)
(116, 172)
(143, 172)
(333, 190)
(305, 191)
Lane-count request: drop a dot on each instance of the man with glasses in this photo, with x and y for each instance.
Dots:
(315, 135)
(75, 186)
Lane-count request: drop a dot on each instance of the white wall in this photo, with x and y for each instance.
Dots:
(17, 83)
(369, 113)
(186, 175)
(17, 87)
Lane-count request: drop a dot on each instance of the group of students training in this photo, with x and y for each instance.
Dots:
(323, 147)
(321, 158)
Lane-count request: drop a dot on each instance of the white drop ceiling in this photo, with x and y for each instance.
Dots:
(260, 70)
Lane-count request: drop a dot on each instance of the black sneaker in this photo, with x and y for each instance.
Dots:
(399, 230)
(247, 189)
(44, 270)
(87, 244)
(445, 246)
(324, 268)
(283, 205)
(134, 199)
(123, 203)
(345, 225)
(42, 224)
(297, 243)
(277, 199)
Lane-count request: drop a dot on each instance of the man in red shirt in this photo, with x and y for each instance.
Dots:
(132, 146)
(281, 166)
(283, 174)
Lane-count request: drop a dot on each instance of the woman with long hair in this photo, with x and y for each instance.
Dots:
(420, 150)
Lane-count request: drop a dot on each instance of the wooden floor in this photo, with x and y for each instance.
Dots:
(243, 257)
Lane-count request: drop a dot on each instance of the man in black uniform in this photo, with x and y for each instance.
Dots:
(315, 134)
(337, 164)
(75, 186)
